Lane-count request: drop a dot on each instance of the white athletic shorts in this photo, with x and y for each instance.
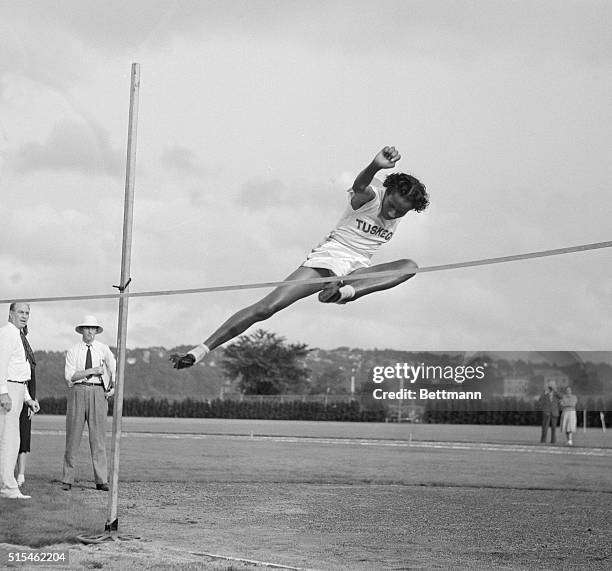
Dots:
(336, 257)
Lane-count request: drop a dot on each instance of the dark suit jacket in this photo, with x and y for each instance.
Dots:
(549, 405)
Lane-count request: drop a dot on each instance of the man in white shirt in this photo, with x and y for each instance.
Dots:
(89, 373)
(15, 373)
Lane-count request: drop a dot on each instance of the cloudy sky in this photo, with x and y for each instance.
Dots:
(254, 116)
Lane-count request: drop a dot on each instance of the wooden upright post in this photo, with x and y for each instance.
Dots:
(126, 258)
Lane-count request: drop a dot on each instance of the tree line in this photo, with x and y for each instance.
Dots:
(263, 363)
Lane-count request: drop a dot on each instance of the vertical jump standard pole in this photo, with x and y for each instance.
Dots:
(112, 521)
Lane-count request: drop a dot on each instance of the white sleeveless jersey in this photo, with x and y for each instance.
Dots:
(364, 230)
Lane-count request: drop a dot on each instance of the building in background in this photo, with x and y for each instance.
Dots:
(516, 387)
(558, 378)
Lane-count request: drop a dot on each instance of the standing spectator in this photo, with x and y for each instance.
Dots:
(15, 359)
(549, 405)
(25, 418)
(89, 372)
(568, 414)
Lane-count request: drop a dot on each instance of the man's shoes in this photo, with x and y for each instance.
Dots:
(20, 479)
(103, 487)
(15, 496)
(66, 486)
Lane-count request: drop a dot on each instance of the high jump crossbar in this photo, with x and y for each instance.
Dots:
(325, 280)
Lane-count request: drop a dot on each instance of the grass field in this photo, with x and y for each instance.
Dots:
(327, 496)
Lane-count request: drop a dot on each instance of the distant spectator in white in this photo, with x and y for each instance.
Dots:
(568, 414)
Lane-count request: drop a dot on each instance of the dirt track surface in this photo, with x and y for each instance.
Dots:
(379, 526)
(130, 554)
(333, 504)
(321, 526)
(406, 527)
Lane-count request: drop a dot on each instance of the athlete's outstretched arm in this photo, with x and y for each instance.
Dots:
(385, 159)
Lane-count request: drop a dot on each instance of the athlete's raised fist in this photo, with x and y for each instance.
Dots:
(387, 158)
(182, 361)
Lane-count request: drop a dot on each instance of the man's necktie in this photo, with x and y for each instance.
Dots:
(26, 347)
(30, 359)
(88, 358)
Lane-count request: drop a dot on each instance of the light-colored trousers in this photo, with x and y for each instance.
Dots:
(86, 404)
(9, 439)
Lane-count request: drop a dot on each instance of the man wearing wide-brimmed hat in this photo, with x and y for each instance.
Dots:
(89, 372)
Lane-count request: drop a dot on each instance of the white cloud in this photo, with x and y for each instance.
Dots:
(183, 161)
(538, 28)
(255, 117)
(70, 146)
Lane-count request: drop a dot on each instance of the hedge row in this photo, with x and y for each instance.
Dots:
(188, 408)
(500, 411)
(508, 411)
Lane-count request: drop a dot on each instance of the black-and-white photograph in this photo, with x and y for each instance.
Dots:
(318, 285)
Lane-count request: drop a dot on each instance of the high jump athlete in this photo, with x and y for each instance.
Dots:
(368, 222)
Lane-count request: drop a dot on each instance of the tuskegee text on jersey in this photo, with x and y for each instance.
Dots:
(369, 228)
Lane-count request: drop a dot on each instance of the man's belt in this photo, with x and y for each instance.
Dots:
(90, 384)
(18, 382)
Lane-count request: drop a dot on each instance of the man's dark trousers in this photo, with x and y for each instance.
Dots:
(549, 420)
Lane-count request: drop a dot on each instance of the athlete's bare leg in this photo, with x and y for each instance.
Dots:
(283, 297)
(265, 308)
(405, 269)
(371, 285)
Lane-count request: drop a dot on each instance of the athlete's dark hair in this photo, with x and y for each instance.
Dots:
(410, 187)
